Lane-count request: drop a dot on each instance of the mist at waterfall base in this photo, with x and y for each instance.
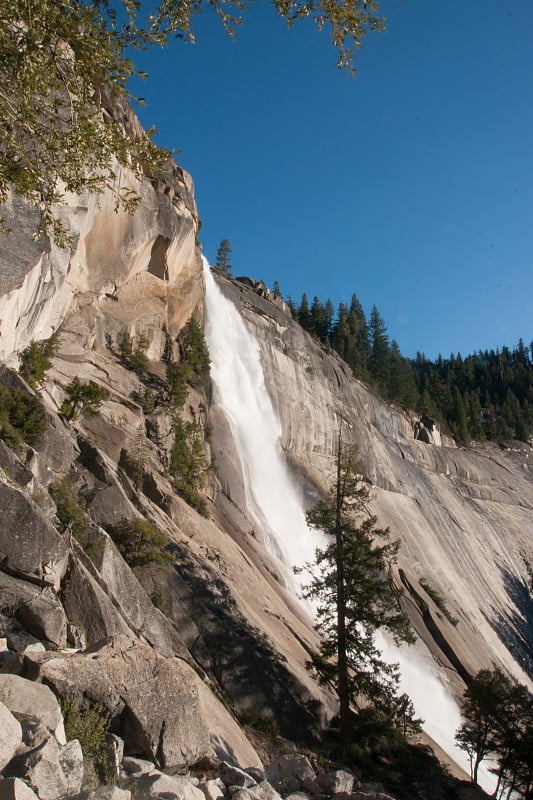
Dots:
(274, 502)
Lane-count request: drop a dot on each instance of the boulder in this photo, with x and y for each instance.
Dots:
(56, 451)
(233, 776)
(88, 606)
(71, 760)
(38, 611)
(45, 618)
(297, 796)
(264, 791)
(288, 767)
(137, 766)
(336, 781)
(156, 698)
(104, 598)
(213, 789)
(15, 789)
(30, 546)
(310, 786)
(171, 787)
(240, 793)
(13, 466)
(115, 752)
(105, 793)
(38, 763)
(11, 663)
(10, 735)
(20, 641)
(76, 636)
(28, 700)
(260, 791)
(136, 608)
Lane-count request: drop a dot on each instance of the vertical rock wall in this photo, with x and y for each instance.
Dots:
(151, 252)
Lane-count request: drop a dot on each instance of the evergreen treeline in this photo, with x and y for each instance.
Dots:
(485, 395)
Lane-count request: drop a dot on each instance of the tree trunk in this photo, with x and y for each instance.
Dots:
(342, 661)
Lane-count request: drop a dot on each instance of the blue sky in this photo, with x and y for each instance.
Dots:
(411, 185)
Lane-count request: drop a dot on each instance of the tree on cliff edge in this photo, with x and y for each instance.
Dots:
(63, 61)
(353, 595)
(223, 256)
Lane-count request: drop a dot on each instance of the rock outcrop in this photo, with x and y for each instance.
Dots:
(40, 766)
(462, 515)
(156, 698)
(208, 625)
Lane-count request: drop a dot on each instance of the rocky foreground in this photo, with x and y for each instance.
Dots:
(37, 761)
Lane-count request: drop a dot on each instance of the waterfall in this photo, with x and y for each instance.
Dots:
(273, 501)
(240, 390)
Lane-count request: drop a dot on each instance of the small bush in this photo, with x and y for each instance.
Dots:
(84, 398)
(194, 350)
(194, 365)
(439, 601)
(133, 467)
(69, 511)
(35, 359)
(177, 377)
(146, 400)
(90, 728)
(160, 601)
(133, 354)
(265, 725)
(22, 417)
(139, 542)
(134, 462)
(188, 466)
(192, 497)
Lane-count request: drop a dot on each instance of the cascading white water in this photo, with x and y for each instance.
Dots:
(240, 390)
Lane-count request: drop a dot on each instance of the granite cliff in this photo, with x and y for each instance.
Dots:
(463, 515)
(210, 631)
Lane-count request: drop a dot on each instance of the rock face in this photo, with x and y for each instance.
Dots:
(140, 256)
(33, 700)
(463, 515)
(10, 735)
(31, 547)
(157, 698)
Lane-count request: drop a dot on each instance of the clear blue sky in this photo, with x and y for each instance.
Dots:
(411, 185)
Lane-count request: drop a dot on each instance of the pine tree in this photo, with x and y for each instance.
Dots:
(340, 334)
(318, 324)
(460, 422)
(292, 307)
(304, 315)
(498, 723)
(359, 329)
(354, 596)
(479, 709)
(223, 256)
(329, 311)
(82, 397)
(379, 363)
